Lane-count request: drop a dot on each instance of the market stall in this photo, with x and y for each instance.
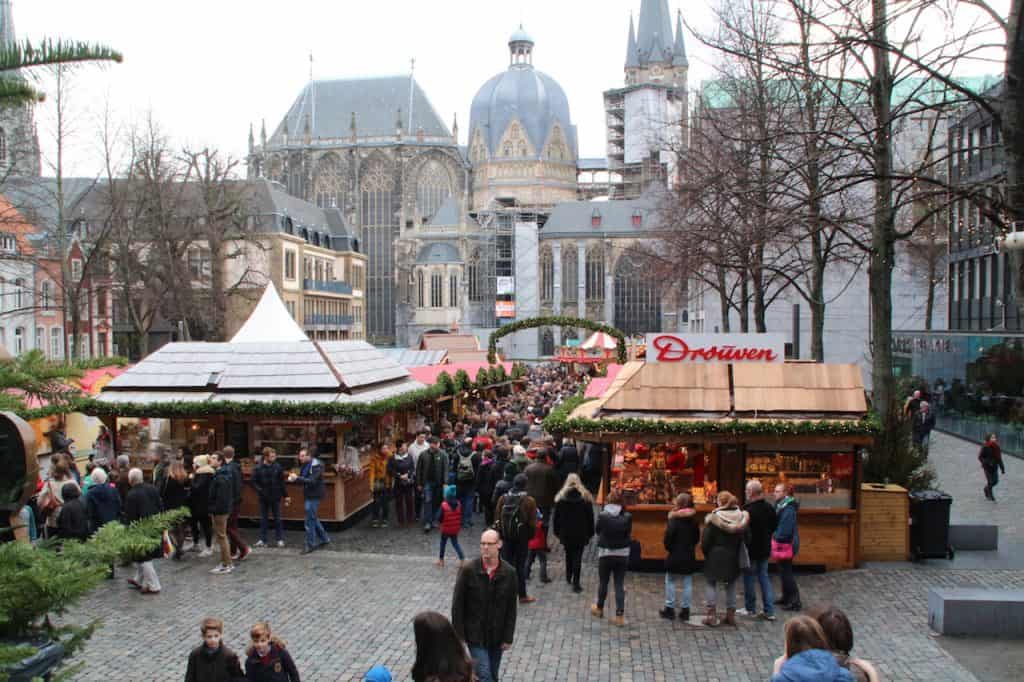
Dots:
(703, 428)
(270, 386)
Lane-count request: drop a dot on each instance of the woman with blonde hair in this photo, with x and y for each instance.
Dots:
(807, 658)
(722, 543)
(174, 495)
(574, 526)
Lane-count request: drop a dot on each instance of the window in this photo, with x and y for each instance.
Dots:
(570, 273)
(19, 340)
(46, 295)
(421, 301)
(436, 290)
(85, 347)
(378, 222)
(547, 275)
(474, 273)
(290, 305)
(433, 188)
(101, 303)
(289, 264)
(19, 294)
(8, 243)
(76, 269)
(595, 273)
(56, 343)
(329, 186)
(40, 338)
(823, 480)
(637, 299)
(453, 291)
(307, 267)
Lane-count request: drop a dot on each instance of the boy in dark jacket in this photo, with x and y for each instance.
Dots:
(211, 661)
(682, 535)
(267, 658)
(73, 519)
(269, 481)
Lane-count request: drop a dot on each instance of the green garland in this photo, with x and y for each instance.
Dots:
(558, 421)
(99, 363)
(556, 321)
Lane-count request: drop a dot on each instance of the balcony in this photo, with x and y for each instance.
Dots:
(335, 321)
(330, 287)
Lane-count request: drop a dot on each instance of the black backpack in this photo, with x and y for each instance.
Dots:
(511, 524)
(464, 470)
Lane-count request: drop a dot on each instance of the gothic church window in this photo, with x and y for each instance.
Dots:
(436, 290)
(547, 341)
(453, 290)
(595, 273)
(420, 293)
(379, 229)
(330, 183)
(570, 272)
(433, 188)
(547, 275)
(637, 299)
(475, 273)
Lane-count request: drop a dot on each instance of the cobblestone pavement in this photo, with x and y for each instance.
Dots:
(344, 610)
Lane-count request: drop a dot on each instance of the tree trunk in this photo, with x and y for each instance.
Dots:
(883, 228)
(757, 276)
(723, 299)
(744, 302)
(933, 261)
(1013, 128)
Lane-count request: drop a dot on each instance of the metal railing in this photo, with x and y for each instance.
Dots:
(328, 321)
(331, 287)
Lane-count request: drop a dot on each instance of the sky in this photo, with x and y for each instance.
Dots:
(206, 70)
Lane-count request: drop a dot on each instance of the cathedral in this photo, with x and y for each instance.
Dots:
(19, 140)
(455, 235)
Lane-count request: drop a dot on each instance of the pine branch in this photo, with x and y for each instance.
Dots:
(50, 52)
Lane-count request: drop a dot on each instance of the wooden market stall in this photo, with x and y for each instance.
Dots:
(704, 428)
(270, 386)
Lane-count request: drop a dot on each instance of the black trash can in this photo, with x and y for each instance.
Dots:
(929, 525)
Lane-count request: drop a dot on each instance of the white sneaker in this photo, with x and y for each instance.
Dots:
(206, 552)
(280, 543)
(222, 569)
(260, 544)
(745, 613)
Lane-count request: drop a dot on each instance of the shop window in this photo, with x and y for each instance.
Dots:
(821, 480)
(657, 473)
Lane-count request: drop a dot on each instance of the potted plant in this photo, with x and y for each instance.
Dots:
(40, 583)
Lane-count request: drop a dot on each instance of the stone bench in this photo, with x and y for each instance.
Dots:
(973, 537)
(984, 612)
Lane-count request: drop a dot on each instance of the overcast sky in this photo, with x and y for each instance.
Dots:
(206, 69)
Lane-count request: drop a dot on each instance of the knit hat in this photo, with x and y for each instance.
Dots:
(449, 492)
(378, 673)
(519, 482)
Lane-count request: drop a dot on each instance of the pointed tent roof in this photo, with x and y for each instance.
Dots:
(679, 51)
(632, 56)
(270, 322)
(654, 40)
(600, 340)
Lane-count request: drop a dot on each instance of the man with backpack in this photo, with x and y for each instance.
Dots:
(467, 463)
(516, 513)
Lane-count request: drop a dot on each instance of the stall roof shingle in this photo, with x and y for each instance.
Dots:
(673, 388)
(799, 387)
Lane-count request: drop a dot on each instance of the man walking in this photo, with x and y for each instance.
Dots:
(759, 547)
(311, 476)
(542, 484)
(516, 513)
(484, 607)
(268, 480)
(922, 425)
(991, 458)
(141, 501)
(431, 476)
(239, 550)
(417, 448)
(221, 501)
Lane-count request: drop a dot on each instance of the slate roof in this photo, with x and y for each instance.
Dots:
(36, 198)
(438, 252)
(574, 218)
(375, 101)
(360, 364)
(448, 214)
(409, 357)
(271, 198)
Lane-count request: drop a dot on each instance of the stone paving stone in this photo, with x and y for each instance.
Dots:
(348, 608)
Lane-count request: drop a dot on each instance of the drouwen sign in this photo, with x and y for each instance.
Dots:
(763, 348)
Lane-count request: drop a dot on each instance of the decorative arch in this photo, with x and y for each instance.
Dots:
(514, 142)
(556, 321)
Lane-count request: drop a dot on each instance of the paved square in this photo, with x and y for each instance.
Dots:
(344, 610)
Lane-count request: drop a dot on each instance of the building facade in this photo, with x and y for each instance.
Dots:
(19, 138)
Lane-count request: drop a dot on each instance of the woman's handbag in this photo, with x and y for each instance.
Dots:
(744, 557)
(781, 551)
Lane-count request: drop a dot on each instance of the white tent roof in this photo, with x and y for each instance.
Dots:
(600, 340)
(270, 322)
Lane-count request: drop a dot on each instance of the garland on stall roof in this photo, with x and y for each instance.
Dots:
(556, 321)
(559, 421)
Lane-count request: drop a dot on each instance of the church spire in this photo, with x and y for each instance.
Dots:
(654, 39)
(632, 58)
(263, 133)
(252, 139)
(679, 51)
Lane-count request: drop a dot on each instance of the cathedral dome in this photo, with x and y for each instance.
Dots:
(523, 94)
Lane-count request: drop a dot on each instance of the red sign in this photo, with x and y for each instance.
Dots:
(842, 465)
(715, 348)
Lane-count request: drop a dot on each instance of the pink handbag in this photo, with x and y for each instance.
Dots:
(781, 551)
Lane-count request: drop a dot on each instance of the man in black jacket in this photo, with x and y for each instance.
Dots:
(311, 476)
(239, 550)
(431, 476)
(759, 547)
(484, 606)
(268, 480)
(141, 501)
(222, 498)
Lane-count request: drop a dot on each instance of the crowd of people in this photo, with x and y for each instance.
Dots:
(495, 461)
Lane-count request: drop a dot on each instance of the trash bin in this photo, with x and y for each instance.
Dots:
(929, 525)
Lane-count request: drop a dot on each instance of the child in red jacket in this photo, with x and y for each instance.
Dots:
(538, 546)
(451, 523)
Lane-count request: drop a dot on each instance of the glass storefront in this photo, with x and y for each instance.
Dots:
(976, 381)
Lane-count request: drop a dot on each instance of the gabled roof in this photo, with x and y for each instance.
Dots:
(376, 102)
(437, 253)
(575, 218)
